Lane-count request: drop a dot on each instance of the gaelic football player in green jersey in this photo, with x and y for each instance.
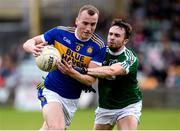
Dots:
(120, 98)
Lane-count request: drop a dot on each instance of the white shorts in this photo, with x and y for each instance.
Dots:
(107, 116)
(69, 105)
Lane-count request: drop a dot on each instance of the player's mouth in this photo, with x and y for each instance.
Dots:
(111, 43)
(86, 33)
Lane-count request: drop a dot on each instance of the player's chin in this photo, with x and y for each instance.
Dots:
(113, 49)
(86, 36)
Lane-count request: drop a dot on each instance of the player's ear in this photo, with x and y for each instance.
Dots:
(76, 21)
(126, 41)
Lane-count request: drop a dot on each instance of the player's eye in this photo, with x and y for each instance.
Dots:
(93, 24)
(110, 33)
(85, 23)
(117, 35)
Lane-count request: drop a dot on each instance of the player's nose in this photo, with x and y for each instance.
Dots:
(88, 28)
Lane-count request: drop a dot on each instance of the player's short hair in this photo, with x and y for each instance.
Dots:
(123, 24)
(90, 9)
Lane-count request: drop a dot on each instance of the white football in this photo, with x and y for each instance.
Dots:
(46, 61)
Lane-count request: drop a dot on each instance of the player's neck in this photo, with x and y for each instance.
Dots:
(76, 35)
(118, 52)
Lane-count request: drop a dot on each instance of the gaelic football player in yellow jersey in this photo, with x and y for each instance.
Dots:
(79, 47)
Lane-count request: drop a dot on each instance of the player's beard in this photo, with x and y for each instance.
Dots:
(114, 49)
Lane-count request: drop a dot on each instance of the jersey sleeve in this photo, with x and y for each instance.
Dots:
(134, 66)
(130, 64)
(50, 35)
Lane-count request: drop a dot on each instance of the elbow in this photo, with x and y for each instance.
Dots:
(24, 45)
(28, 45)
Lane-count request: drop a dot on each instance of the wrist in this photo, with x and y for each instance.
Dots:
(81, 70)
(85, 70)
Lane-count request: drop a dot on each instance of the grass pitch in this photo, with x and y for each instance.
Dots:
(152, 119)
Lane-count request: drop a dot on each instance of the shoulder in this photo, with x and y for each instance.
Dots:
(131, 56)
(129, 53)
(66, 28)
(98, 40)
(60, 30)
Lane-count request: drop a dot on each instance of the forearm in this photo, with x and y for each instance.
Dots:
(107, 71)
(101, 72)
(85, 79)
(29, 45)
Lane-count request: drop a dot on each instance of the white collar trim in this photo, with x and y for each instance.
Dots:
(119, 52)
(78, 37)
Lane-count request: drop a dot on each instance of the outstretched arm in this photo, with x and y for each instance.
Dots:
(107, 71)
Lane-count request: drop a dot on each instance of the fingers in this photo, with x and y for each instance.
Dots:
(41, 45)
(38, 49)
(66, 64)
(64, 67)
(36, 52)
(44, 44)
(61, 67)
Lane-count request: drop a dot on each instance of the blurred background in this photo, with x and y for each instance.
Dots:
(156, 40)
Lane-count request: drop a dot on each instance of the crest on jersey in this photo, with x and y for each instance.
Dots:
(89, 50)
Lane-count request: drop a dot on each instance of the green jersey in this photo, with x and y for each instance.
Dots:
(119, 91)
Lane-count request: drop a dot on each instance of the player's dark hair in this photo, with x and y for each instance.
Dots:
(90, 9)
(121, 23)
